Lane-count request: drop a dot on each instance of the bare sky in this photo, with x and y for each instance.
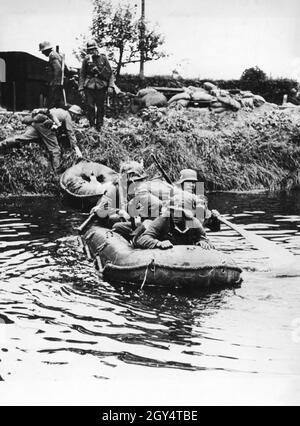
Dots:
(212, 38)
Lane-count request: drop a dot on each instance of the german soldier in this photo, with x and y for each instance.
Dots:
(56, 64)
(96, 77)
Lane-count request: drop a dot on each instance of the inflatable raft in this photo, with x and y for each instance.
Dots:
(83, 183)
(181, 266)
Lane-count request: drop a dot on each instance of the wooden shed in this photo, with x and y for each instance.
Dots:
(23, 81)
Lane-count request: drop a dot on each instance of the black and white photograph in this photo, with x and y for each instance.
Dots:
(149, 205)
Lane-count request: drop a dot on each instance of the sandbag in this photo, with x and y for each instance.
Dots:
(183, 102)
(202, 96)
(219, 92)
(183, 95)
(258, 100)
(229, 102)
(192, 89)
(209, 86)
(219, 110)
(247, 94)
(217, 105)
(146, 91)
(154, 99)
(247, 103)
(224, 92)
(215, 92)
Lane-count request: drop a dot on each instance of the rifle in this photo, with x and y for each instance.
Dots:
(161, 169)
(63, 77)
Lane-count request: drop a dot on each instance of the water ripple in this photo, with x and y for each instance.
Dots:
(58, 319)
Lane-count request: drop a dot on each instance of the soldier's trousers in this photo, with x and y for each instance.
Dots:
(95, 99)
(37, 132)
(56, 97)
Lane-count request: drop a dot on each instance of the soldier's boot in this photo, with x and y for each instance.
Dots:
(91, 114)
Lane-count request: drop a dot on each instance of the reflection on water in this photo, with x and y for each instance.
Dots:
(58, 320)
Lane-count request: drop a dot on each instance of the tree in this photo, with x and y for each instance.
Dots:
(254, 75)
(118, 29)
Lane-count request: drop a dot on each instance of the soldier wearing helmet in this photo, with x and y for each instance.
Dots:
(175, 226)
(42, 125)
(56, 95)
(63, 123)
(127, 201)
(96, 78)
(191, 196)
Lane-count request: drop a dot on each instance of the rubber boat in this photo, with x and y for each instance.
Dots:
(83, 183)
(181, 266)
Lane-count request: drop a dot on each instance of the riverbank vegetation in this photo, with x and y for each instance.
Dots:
(244, 150)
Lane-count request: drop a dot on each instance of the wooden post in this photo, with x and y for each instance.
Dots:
(142, 40)
(285, 99)
(14, 97)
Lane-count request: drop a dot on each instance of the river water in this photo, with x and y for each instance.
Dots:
(59, 322)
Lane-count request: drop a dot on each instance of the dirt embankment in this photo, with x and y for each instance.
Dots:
(244, 150)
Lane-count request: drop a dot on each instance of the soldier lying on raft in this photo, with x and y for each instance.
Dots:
(154, 214)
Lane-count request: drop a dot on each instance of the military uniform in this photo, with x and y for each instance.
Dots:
(40, 130)
(56, 96)
(37, 132)
(95, 77)
(62, 118)
(172, 229)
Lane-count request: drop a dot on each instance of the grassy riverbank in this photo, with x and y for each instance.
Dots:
(242, 150)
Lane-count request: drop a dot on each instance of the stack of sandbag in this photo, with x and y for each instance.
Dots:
(201, 95)
(148, 97)
(229, 102)
(209, 95)
(182, 99)
(258, 100)
(232, 100)
(192, 95)
(225, 103)
(209, 86)
(248, 100)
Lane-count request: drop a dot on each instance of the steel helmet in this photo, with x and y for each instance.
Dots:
(135, 168)
(91, 45)
(44, 45)
(75, 109)
(187, 175)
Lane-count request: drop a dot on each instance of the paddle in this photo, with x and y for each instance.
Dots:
(281, 260)
(82, 227)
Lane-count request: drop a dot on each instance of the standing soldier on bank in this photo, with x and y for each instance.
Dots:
(56, 97)
(96, 77)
